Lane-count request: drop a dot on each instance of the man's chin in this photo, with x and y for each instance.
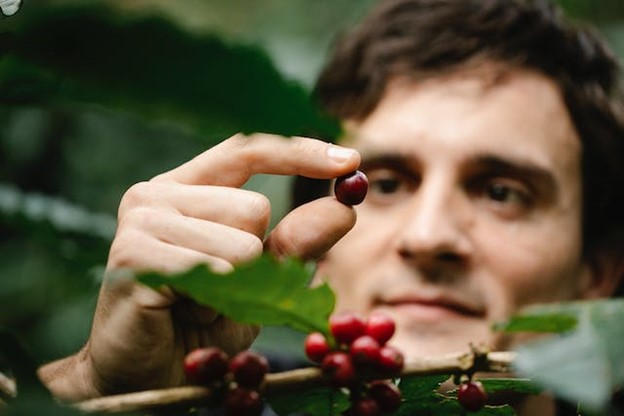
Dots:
(419, 350)
(421, 344)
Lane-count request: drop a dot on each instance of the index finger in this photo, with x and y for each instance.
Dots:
(233, 161)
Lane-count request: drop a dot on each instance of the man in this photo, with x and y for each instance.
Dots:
(492, 134)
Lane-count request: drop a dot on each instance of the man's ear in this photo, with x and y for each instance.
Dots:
(604, 275)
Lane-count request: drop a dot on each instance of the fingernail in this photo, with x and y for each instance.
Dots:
(339, 153)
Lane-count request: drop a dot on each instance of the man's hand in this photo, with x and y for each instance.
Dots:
(196, 213)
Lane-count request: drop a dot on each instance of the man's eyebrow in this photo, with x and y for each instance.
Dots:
(396, 161)
(521, 169)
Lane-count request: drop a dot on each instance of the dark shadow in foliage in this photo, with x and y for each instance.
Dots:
(152, 67)
(33, 398)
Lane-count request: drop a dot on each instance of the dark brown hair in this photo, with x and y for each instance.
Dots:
(415, 38)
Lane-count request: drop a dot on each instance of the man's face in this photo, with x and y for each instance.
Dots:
(473, 210)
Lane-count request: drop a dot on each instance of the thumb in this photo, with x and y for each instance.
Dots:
(310, 230)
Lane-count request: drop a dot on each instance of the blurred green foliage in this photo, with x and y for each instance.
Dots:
(95, 96)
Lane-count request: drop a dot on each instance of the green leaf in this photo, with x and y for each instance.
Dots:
(149, 66)
(263, 292)
(313, 402)
(518, 385)
(538, 323)
(504, 410)
(586, 365)
(421, 397)
(59, 213)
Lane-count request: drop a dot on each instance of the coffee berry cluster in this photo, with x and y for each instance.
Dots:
(235, 381)
(356, 354)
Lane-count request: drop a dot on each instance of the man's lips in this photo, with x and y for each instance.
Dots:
(437, 305)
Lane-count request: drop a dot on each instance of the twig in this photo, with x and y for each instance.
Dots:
(151, 399)
(296, 380)
(7, 388)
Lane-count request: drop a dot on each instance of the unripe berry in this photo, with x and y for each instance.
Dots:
(240, 401)
(380, 326)
(346, 327)
(338, 368)
(366, 406)
(471, 396)
(387, 395)
(351, 189)
(316, 346)
(205, 365)
(390, 360)
(364, 350)
(249, 368)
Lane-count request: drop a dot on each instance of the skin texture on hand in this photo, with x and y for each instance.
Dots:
(193, 214)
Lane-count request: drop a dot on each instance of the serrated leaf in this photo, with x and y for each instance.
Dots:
(585, 365)
(262, 292)
(312, 402)
(421, 397)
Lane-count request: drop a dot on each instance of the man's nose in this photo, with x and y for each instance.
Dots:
(437, 226)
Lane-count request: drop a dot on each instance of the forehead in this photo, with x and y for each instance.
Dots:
(516, 112)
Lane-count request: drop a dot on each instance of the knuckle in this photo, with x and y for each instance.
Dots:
(237, 141)
(140, 193)
(123, 249)
(252, 249)
(285, 242)
(218, 265)
(261, 208)
(140, 217)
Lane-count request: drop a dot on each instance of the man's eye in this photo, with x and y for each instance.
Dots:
(388, 186)
(506, 194)
(385, 185)
(506, 197)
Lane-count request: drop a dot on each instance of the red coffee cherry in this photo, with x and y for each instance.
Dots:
(346, 327)
(316, 347)
(249, 368)
(391, 360)
(471, 396)
(386, 394)
(338, 368)
(205, 365)
(366, 406)
(351, 189)
(240, 401)
(364, 350)
(380, 326)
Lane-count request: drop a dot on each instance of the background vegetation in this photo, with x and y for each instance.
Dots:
(95, 96)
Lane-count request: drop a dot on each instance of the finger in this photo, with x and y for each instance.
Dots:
(233, 161)
(188, 313)
(246, 210)
(136, 250)
(214, 239)
(231, 336)
(311, 229)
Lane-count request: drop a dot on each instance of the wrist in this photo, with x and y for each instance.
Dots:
(70, 379)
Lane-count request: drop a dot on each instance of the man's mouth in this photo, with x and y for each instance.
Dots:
(432, 308)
